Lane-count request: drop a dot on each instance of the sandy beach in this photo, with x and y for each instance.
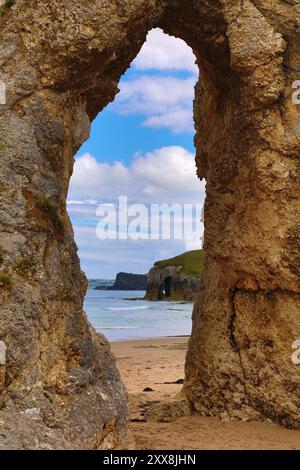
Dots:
(153, 371)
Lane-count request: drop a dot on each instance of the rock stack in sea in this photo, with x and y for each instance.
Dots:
(176, 278)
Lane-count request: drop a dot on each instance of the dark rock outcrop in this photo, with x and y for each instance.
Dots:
(129, 281)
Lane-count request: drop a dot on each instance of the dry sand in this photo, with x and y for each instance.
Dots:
(153, 362)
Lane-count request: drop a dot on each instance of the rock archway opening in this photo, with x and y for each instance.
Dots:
(165, 289)
(168, 286)
(155, 107)
(247, 143)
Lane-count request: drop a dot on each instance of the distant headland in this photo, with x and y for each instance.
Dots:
(176, 278)
(123, 281)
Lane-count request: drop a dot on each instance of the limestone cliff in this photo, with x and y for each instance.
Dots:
(176, 278)
(61, 61)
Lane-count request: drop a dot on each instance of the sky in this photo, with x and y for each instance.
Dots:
(140, 148)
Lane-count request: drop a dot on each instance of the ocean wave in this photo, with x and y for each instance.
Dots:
(99, 328)
(175, 309)
(126, 308)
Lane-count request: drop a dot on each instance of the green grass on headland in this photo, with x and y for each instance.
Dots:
(192, 262)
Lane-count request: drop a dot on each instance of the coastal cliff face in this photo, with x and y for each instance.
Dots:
(170, 284)
(61, 62)
(129, 281)
(177, 278)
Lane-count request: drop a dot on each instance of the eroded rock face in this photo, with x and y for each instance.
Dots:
(170, 283)
(61, 62)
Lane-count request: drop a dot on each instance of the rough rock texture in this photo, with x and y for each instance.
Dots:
(61, 61)
(170, 283)
(129, 281)
(248, 147)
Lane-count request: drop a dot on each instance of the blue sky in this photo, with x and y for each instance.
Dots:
(140, 146)
(116, 137)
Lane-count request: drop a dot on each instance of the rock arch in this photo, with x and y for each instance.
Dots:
(61, 62)
(165, 288)
(168, 286)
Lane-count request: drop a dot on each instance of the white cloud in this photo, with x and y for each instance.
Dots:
(178, 120)
(166, 175)
(104, 258)
(152, 94)
(163, 52)
(163, 101)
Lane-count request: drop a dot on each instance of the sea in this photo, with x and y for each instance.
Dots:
(124, 315)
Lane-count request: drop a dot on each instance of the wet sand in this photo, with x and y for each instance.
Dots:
(158, 365)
